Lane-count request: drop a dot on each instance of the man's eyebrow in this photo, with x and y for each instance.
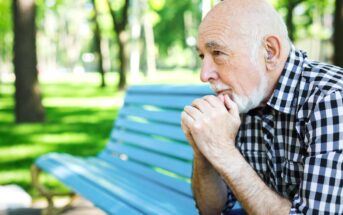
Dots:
(213, 45)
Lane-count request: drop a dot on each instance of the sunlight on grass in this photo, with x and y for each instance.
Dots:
(82, 119)
(7, 89)
(15, 175)
(5, 117)
(19, 152)
(182, 76)
(65, 138)
(83, 102)
(26, 129)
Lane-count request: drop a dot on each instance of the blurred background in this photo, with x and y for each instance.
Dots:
(64, 66)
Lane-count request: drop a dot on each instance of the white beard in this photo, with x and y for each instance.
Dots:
(245, 103)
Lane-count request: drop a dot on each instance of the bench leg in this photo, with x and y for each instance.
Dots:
(50, 210)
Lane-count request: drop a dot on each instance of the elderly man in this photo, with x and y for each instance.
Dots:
(272, 138)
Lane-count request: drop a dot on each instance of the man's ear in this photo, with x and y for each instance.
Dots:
(272, 46)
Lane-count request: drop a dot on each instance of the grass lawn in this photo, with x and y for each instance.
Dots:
(79, 117)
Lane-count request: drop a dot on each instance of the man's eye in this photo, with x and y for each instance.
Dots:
(217, 53)
(201, 56)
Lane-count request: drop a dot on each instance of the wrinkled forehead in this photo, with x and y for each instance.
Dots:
(217, 32)
(226, 26)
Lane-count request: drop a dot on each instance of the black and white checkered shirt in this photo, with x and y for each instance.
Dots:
(295, 144)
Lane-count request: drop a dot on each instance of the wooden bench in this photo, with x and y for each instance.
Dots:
(146, 166)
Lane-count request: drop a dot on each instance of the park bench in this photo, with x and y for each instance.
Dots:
(145, 167)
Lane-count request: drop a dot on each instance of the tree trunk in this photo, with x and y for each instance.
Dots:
(338, 35)
(149, 43)
(28, 105)
(291, 5)
(289, 20)
(123, 65)
(98, 47)
(136, 15)
(119, 23)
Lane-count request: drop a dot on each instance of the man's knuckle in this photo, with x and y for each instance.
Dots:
(198, 126)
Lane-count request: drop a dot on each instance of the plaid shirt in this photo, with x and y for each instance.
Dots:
(295, 143)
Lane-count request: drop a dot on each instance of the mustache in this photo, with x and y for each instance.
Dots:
(219, 87)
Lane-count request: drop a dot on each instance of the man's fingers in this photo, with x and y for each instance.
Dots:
(186, 121)
(231, 106)
(201, 104)
(213, 100)
(192, 112)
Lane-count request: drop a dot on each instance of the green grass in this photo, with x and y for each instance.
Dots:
(79, 117)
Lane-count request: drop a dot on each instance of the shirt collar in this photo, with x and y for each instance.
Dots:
(285, 92)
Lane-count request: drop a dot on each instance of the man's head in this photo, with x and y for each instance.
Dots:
(243, 45)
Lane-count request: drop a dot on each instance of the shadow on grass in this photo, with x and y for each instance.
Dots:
(67, 90)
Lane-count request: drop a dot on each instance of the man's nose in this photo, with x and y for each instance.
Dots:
(208, 70)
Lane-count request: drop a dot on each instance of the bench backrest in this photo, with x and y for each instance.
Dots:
(148, 135)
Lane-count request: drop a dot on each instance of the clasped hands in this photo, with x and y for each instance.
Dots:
(210, 125)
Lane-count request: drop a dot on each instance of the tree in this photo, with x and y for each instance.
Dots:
(28, 105)
(149, 40)
(305, 18)
(338, 35)
(97, 43)
(172, 14)
(120, 18)
(291, 4)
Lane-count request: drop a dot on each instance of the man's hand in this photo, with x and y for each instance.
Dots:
(189, 137)
(212, 124)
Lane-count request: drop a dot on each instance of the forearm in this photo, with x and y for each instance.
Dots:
(254, 195)
(209, 189)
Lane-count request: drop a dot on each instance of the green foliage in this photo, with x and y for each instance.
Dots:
(6, 35)
(310, 17)
(104, 19)
(117, 5)
(171, 29)
(157, 5)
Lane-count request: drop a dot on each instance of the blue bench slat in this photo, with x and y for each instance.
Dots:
(183, 151)
(100, 197)
(172, 117)
(150, 198)
(179, 185)
(170, 101)
(85, 173)
(179, 167)
(163, 130)
(171, 89)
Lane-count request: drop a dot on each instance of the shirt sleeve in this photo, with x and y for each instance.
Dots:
(321, 189)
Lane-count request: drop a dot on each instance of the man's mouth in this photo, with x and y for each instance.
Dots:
(224, 92)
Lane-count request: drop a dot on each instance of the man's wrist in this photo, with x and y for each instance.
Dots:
(230, 163)
(201, 162)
